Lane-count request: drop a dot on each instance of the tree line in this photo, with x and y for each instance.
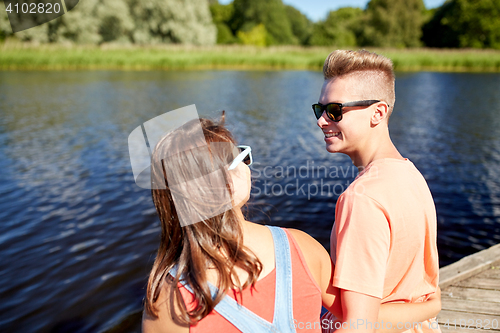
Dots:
(383, 23)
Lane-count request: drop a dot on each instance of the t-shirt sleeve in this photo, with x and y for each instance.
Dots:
(363, 240)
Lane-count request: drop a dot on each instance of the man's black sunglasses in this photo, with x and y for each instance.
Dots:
(334, 110)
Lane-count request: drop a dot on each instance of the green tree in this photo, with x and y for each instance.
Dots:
(338, 29)
(393, 23)
(464, 23)
(90, 22)
(5, 29)
(271, 13)
(301, 25)
(437, 32)
(125, 21)
(37, 33)
(80, 25)
(221, 16)
(115, 22)
(172, 21)
(222, 13)
(94, 21)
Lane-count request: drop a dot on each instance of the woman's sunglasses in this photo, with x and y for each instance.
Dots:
(334, 110)
(245, 156)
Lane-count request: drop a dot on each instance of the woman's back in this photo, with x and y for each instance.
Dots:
(303, 296)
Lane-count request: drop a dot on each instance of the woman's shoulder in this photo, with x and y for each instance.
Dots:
(306, 242)
(163, 321)
(314, 253)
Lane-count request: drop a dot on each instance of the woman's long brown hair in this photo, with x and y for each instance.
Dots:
(216, 242)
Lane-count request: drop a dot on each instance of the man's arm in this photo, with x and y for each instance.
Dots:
(401, 315)
(360, 243)
(360, 312)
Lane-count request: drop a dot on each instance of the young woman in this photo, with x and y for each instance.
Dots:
(216, 271)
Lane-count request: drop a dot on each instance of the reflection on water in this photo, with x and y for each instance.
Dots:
(77, 236)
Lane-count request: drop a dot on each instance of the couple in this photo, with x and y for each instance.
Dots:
(226, 274)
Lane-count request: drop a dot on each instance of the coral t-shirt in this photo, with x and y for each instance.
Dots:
(383, 242)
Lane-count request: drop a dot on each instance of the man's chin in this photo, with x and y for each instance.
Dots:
(331, 149)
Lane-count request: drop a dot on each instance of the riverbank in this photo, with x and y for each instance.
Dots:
(18, 56)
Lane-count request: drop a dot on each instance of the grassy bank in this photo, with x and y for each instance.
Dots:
(14, 56)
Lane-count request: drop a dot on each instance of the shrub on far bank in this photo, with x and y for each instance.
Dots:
(125, 21)
(271, 13)
(464, 23)
(221, 16)
(5, 29)
(257, 36)
(393, 23)
(338, 29)
(301, 25)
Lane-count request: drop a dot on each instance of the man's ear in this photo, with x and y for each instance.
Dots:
(380, 113)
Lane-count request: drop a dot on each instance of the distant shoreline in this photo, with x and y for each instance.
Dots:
(22, 56)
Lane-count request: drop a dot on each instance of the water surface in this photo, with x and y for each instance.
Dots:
(78, 237)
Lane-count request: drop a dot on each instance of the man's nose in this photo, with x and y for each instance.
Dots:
(323, 120)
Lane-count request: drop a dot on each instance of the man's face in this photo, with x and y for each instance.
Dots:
(347, 135)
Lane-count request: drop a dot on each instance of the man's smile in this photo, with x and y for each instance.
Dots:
(331, 134)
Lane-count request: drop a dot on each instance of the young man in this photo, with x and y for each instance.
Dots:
(383, 241)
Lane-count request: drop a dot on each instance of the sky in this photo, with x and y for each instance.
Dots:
(317, 9)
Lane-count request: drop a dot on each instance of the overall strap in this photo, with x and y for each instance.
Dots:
(283, 302)
(245, 320)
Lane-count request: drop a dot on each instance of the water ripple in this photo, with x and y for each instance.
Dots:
(78, 238)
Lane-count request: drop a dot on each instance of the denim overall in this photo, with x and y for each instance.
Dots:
(247, 321)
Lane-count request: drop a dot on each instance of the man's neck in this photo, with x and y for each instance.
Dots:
(375, 150)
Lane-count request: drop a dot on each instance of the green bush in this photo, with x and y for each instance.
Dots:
(271, 13)
(126, 21)
(221, 16)
(393, 23)
(301, 25)
(172, 21)
(338, 29)
(464, 23)
(5, 29)
(256, 36)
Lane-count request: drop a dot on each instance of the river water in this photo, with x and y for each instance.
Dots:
(78, 237)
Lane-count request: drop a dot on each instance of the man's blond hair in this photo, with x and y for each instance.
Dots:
(374, 73)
